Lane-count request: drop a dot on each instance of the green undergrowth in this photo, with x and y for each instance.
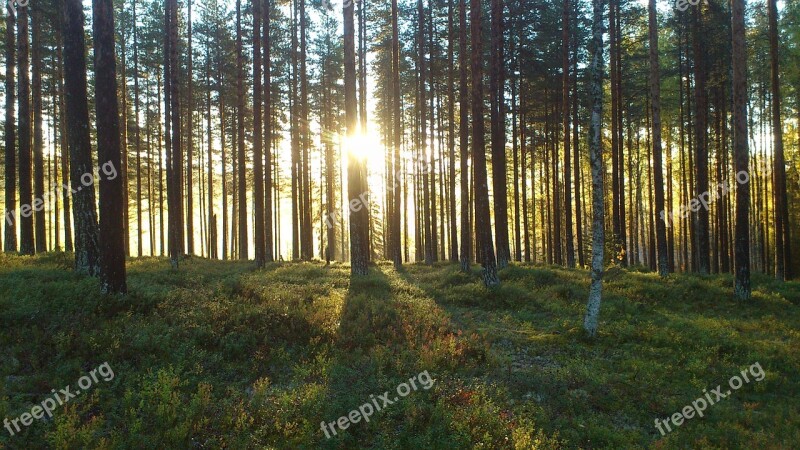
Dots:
(221, 355)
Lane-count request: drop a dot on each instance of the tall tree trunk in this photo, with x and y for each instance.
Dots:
(617, 219)
(576, 143)
(565, 110)
(741, 151)
(451, 138)
(26, 242)
(242, 185)
(67, 213)
(189, 135)
(591, 319)
(177, 241)
(112, 240)
(38, 138)
(10, 212)
(269, 256)
(463, 130)
(258, 168)
(783, 251)
(77, 108)
(140, 236)
(701, 144)
(655, 106)
(483, 226)
(498, 129)
(307, 250)
(396, 251)
(356, 168)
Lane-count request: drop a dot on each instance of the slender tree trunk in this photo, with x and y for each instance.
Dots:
(38, 138)
(258, 168)
(356, 168)
(566, 130)
(62, 140)
(176, 172)
(655, 106)
(26, 242)
(482, 219)
(741, 151)
(591, 319)
(112, 240)
(498, 130)
(306, 226)
(10, 212)
(242, 185)
(189, 136)
(396, 251)
(701, 145)
(451, 138)
(782, 239)
(86, 233)
(269, 256)
(463, 130)
(137, 130)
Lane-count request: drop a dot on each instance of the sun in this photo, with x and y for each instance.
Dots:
(363, 146)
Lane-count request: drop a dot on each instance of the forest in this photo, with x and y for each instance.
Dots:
(400, 224)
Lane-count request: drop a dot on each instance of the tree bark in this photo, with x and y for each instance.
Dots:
(591, 319)
(565, 110)
(38, 138)
(463, 129)
(112, 240)
(498, 130)
(482, 218)
(242, 180)
(741, 151)
(658, 174)
(356, 183)
(10, 212)
(26, 241)
(258, 167)
(77, 109)
(783, 251)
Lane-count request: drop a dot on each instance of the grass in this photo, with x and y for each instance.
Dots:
(220, 355)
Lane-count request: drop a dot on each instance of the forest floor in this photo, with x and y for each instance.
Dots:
(220, 355)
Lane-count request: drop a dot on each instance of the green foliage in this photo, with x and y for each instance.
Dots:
(219, 355)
